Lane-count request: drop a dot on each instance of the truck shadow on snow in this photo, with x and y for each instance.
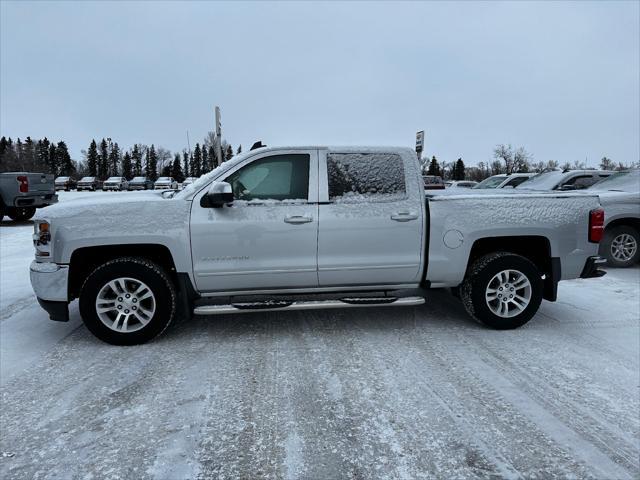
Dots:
(441, 311)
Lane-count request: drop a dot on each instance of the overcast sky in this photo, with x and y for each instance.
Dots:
(560, 79)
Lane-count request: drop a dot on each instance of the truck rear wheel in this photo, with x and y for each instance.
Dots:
(20, 214)
(502, 290)
(621, 246)
(128, 301)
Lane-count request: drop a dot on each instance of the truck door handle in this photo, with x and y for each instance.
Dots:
(297, 219)
(404, 216)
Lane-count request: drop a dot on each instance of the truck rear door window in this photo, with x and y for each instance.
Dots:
(365, 176)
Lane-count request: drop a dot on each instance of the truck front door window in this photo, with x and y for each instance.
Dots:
(279, 177)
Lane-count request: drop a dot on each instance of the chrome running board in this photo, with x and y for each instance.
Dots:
(277, 305)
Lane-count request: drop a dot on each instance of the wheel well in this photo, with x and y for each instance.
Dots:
(625, 222)
(86, 260)
(535, 248)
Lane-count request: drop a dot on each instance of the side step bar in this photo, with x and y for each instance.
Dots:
(276, 305)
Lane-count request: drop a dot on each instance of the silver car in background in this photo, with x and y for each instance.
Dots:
(565, 180)
(620, 196)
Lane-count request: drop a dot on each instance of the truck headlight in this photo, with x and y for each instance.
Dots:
(42, 238)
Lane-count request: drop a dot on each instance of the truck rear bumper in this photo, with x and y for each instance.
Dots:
(36, 200)
(590, 269)
(49, 282)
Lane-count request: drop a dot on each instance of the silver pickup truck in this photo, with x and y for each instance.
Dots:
(298, 228)
(22, 192)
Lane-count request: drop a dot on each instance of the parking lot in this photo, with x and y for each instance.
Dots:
(418, 392)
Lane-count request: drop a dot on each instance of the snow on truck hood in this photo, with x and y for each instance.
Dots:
(99, 205)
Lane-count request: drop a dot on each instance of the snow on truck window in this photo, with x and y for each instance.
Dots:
(278, 177)
(365, 176)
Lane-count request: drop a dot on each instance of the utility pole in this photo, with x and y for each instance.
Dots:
(218, 135)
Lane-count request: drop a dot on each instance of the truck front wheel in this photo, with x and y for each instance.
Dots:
(128, 301)
(502, 290)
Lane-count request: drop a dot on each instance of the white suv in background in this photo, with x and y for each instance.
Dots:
(503, 180)
(166, 183)
(115, 183)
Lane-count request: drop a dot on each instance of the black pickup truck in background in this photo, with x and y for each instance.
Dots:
(22, 192)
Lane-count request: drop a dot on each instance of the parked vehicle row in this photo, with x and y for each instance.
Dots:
(120, 183)
(306, 228)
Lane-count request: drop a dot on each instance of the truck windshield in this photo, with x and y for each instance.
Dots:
(138, 179)
(491, 182)
(86, 179)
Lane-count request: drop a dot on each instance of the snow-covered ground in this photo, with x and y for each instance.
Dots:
(371, 393)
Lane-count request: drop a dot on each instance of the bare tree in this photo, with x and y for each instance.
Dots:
(515, 160)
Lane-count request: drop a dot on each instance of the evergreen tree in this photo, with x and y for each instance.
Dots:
(212, 157)
(127, 169)
(151, 167)
(92, 159)
(185, 165)
(459, 170)
(63, 161)
(239, 151)
(434, 167)
(176, 169)
(205, 160)
(229, 153)
(114, 160)
(29, 155)
(43, 154)
(52, 159)
(103, 161)
(136, 158)
(166, 171)
(196, 162)
(3, 146)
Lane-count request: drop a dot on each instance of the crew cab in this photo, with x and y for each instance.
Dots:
(22, 192)
(296, 228)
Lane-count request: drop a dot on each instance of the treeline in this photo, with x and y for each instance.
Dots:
(105, 158)
(507, 159)
(35, 156)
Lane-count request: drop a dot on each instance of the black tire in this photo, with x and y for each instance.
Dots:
(20, 214)
(483, 270)
(141, 270)
(606, 246)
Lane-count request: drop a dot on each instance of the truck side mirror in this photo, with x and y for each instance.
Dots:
(219, 194)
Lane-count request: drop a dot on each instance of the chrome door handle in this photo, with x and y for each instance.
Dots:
(297, 219)
(404, 216)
